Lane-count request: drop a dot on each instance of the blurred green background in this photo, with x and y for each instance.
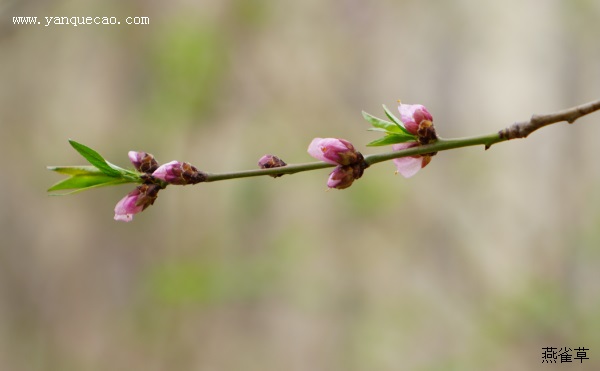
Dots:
(476, 263)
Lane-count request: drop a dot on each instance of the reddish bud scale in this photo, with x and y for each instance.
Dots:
(143, 162)
(426, 132)
(148, 194)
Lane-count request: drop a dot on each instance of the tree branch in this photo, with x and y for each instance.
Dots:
(524, 128)
(518, 130)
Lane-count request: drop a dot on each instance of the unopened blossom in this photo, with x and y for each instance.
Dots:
(341, 177)
(410, 165)
(143, 162)
(418, 121)
(179, 173)
(351, 163)
(269, 162)
(412, 115)
(136, 201)
(334, 151)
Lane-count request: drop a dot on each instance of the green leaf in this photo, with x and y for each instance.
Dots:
(391, 139)
(86, 177)
(96, 159)
(395, 119)
(378, 130)
(382, 124)
(84, 182)
(75, 170)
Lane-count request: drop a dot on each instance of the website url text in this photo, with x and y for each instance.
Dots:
(79, 21)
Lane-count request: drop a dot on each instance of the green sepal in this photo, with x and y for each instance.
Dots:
(391, 139)
(395, 119)
(98, 161)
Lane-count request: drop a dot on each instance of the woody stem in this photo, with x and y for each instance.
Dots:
(517, 130)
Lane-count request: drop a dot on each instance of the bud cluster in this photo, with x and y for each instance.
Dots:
(154, 179)
(351, 163)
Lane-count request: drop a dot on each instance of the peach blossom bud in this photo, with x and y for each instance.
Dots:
(136, 201)
(412, 115)
(333, 151)
(178, 173)
(271, 161)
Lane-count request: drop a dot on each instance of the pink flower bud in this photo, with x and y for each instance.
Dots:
(178, 173)
(136, 201)
(410, 165)
(341, 177)
(271, 161)
(143, 162)
(412, 115)
(333, 151)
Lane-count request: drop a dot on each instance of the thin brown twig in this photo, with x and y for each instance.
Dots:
(523, 128)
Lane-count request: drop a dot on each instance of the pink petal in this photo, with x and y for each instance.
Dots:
(165, 170)
(408, 166)
(341, 177)
(411, 116)
(124, 217)
(126, 207)
(133, 157)
(406, 112)
(318, 147)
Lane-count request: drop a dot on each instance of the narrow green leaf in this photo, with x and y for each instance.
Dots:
(118, 168)
(75, 170)
(110, 183)
(86, 181)
(95, 159)
(382, 124)
(126, 175)
(391, 139)
(378, 130)
(395, 119)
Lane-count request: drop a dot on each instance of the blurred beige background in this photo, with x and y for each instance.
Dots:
(476, 263)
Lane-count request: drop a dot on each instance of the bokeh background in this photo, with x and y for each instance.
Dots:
(476, 263)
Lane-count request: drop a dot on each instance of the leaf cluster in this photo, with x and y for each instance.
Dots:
(101, 174)
(395, 132)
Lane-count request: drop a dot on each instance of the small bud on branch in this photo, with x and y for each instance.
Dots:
(270, 162)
